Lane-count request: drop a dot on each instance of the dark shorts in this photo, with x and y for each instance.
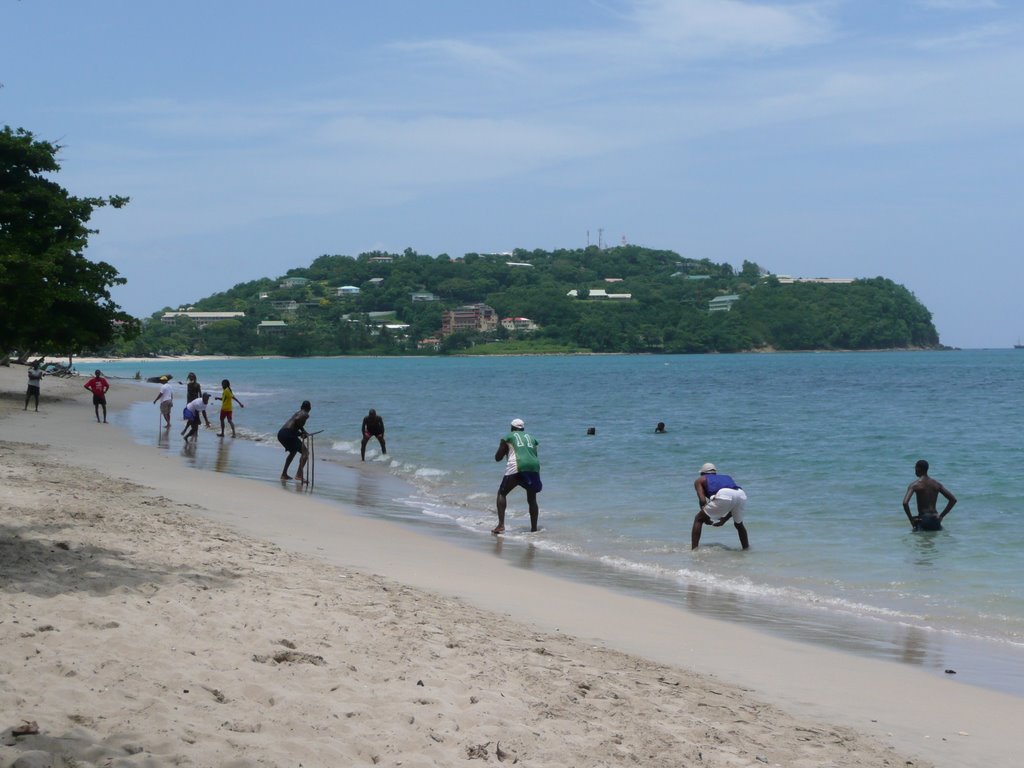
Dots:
(289, 438)
(528, 480)
(98, 399)
(929, 523)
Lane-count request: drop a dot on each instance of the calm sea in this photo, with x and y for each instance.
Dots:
(824, 445)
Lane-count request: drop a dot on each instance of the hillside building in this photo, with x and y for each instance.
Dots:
(201, 319)
(476, 318)
(600, 294)
(722, 303)
(787, 280)
(518, 324)
(271, 328)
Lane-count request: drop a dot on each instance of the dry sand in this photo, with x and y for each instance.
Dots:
(156, 615)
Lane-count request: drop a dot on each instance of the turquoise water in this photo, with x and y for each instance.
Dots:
(824, 445)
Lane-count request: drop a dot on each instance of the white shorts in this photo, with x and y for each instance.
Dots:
(725, 501)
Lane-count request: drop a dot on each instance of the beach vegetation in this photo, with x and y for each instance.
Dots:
(55, 300)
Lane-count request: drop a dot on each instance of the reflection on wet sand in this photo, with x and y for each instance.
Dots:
(915, 645)
(367, 490)
(223, 454)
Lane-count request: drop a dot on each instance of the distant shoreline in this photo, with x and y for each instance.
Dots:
(94, 360)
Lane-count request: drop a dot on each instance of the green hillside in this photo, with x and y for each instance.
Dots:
(627, 299)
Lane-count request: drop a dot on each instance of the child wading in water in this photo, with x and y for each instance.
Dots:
(227, 401)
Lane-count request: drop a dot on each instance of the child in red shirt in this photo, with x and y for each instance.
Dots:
(98, 386)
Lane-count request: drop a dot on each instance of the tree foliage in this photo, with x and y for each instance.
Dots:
(54, 298)
(668, 310)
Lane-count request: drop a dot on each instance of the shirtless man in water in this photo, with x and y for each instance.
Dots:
(927, 490)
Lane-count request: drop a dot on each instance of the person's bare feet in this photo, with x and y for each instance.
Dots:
(286, 477)
(498, 529)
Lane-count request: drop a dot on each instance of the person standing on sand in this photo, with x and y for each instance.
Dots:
(35, 377)
(227, 400)
(194, 391)
(373, 426)
(166, 398)
(522, 467)
(927, 489)
(98, 386)
(191, 416)
(719, 498)
(292, 436)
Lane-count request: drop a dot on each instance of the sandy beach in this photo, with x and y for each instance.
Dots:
(158, 615)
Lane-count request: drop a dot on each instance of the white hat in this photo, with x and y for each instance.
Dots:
(518, 424)
(708, 469)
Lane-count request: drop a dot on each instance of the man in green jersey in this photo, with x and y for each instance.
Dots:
(522, 467)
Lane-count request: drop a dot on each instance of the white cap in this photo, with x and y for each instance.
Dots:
(518, 424)
(708, 469)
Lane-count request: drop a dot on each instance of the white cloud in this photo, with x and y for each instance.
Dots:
(461, 51)
(983, 36)
(645, 35)
(431, 150)
(959, 5)
(714, 27)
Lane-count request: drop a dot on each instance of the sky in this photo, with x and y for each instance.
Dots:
(817, 138)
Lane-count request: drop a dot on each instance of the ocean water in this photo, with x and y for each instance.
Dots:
(824, 445)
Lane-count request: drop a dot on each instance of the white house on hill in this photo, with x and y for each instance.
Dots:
(201, 319)
(722, 303)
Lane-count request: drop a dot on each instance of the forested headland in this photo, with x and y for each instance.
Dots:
(622, 299)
